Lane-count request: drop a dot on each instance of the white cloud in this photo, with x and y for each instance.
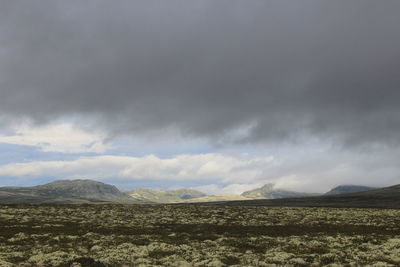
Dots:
(218, 167)
(202, 166)
(61, 137)
(222, 173)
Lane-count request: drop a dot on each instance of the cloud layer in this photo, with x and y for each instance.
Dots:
(222, 173)
(282, 70)
(203, 167)
(61, 137)
(314, 84)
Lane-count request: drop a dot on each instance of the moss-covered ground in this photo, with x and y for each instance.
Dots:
(166, 235)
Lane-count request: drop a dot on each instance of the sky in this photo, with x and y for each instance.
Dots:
(223, 96)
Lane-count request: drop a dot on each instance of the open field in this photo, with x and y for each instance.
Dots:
(173, 235)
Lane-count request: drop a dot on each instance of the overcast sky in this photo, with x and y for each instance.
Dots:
(220, 95)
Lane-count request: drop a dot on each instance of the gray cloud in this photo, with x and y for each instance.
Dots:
(325, 69)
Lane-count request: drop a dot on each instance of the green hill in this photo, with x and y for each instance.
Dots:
(164, 196)
(66, 191)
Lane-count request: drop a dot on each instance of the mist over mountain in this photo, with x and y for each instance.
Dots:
(344, 189)
(269, 191)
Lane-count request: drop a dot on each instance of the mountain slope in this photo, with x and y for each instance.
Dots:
(269, 192)
(345, 189)
(65, 191)
(164, 196)
(388, 197)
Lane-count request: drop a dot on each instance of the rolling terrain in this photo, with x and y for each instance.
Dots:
(387, 197)
(183, 195)
(164, 196)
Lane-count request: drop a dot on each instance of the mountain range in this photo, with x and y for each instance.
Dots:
(387, 197)
(89, 191)
(185, 195)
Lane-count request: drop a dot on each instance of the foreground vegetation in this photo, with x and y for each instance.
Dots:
(162, 235)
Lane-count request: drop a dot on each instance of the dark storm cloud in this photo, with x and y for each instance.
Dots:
(326, 69)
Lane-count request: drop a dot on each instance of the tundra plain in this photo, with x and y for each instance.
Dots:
(186, 235)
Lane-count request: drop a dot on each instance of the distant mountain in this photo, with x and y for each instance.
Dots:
(345, 189)
(387, 197)
(269, 192)
(66, 191)
(164, 196)
(216, 198)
